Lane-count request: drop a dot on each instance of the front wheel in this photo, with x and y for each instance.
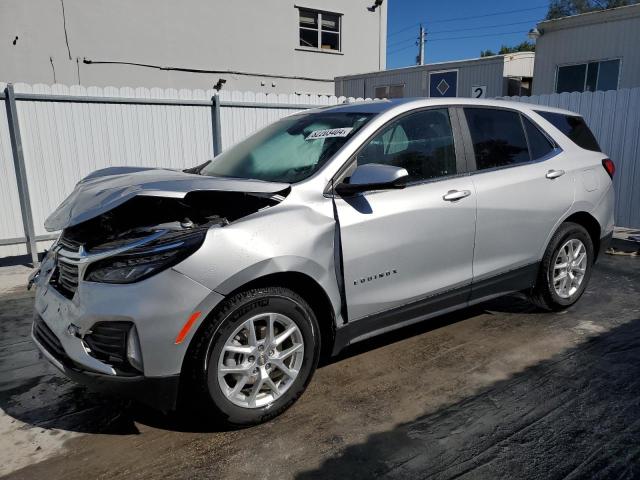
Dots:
(255, 357)
(565, 269)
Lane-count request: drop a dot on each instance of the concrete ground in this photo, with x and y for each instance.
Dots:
(497, 391)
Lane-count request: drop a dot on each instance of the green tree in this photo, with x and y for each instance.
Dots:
(566, 8)
(505, 49)
(521, 47)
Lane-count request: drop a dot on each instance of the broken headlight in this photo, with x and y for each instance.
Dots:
(142, 262)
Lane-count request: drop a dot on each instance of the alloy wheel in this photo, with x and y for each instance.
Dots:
(260, 360)
(569, 268)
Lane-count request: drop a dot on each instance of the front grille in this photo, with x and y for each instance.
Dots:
(69, 244)
(65, 278)
(107, 342)
(48, 340)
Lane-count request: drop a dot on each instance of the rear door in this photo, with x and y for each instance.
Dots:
(402, 246)
(522, 190)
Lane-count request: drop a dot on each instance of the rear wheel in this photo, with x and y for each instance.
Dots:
(565, 269)
(256, 356)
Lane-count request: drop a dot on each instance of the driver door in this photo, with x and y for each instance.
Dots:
(403, 249)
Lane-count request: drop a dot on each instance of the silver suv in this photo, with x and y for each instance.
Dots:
(229, 280)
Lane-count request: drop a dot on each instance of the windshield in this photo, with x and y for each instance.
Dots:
(289, 150)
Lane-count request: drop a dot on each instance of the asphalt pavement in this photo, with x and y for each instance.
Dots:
(496, 391)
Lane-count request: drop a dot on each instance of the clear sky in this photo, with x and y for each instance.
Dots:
(486, 24)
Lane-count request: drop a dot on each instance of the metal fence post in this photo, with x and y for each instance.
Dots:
(216, 124)
(21, 173)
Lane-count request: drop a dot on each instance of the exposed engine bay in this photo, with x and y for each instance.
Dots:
(143, 215)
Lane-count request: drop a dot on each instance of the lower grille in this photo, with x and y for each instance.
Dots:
(48, 340)
(65, 278)
(107, 342)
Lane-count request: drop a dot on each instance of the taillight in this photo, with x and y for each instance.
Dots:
(609, 166)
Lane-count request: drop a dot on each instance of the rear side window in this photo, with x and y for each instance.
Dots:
(539, 144)
(498, 137)
(573, 127)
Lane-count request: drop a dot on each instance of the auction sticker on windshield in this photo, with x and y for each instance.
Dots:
(329, 133)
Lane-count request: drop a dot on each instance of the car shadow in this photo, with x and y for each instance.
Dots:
(574, 415)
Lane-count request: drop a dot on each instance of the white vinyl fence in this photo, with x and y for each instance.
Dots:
(67, 132)
(52, 136)
(614, 118)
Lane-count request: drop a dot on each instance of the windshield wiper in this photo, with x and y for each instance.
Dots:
(198, 168)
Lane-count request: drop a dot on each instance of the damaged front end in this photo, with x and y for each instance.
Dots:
(145, 235)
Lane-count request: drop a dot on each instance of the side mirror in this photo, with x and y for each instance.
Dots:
(373, 176)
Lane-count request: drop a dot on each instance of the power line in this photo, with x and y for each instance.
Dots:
(399, 42)
(473, 17)
(460, 38)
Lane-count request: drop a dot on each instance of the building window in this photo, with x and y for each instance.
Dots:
(588, 77)
(319, 30)
(389, 91)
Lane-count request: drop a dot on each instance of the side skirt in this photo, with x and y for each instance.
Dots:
(512, 281)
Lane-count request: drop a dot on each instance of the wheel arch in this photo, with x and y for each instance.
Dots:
(300, 283)
(591, 225)
(312, 292)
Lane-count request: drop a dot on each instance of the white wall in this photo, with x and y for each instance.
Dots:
(240, 35)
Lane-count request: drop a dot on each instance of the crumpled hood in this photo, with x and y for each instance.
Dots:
(105, 189)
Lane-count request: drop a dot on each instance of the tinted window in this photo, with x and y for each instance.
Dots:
(421, 142)
(497, 136)
(608, 75)
(573, 127)
(539, 144)
(588, 77)
(571, 78)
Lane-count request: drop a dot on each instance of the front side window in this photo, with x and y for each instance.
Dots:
(498, 137)
(588, 77)
(319, 30)
(420, 142)
(288, 150)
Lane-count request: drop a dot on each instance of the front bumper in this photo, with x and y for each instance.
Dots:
(160, 393)
(158, 307)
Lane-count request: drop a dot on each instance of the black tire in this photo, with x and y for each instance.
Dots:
(543, 294)
(201, 364)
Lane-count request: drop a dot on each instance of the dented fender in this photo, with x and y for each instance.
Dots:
(289, 237)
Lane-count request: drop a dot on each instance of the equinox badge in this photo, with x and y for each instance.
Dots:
(377, 276)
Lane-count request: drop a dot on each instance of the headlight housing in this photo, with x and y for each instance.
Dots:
(143, 262)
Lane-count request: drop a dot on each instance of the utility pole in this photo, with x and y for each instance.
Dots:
(422, 38)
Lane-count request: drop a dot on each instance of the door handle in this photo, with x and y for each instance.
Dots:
(551, 174)
(453, 195)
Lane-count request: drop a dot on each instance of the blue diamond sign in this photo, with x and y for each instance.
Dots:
(443, 84)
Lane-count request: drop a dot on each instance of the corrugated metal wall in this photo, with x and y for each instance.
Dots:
(579, 39)
(64, 141)
(614, 118)
(488, 71)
